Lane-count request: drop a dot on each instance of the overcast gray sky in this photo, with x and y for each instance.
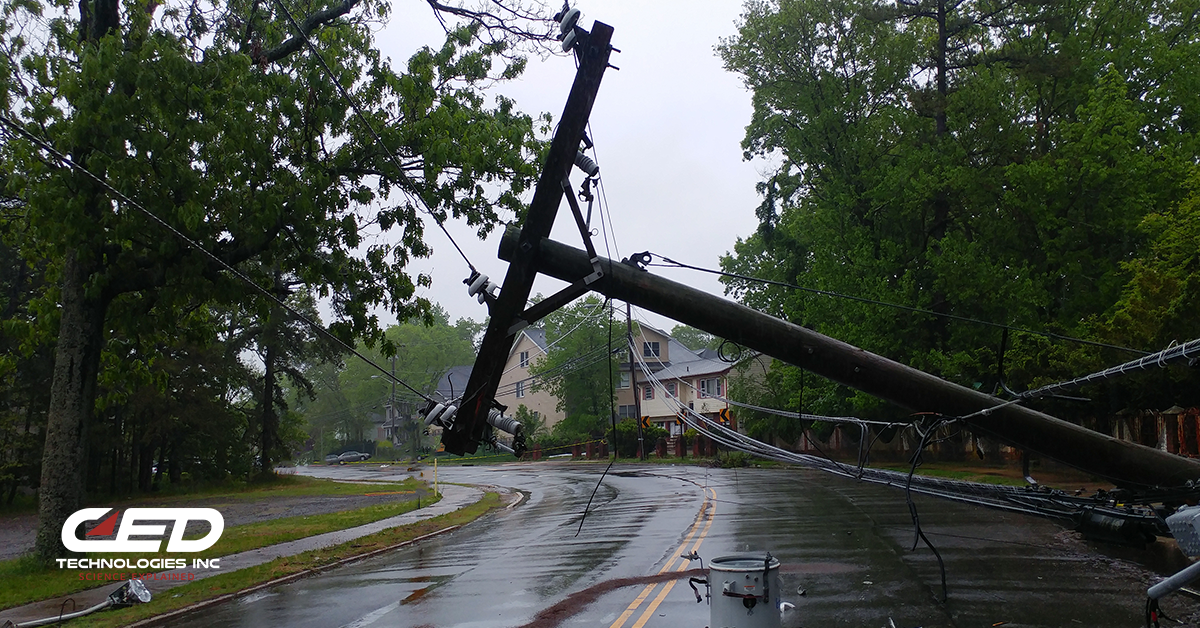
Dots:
(667, 129)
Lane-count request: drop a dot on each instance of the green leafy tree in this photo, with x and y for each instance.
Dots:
(578, 368)
(25, 365)
(986, 160)
(533, 424)
(214, 118)
(346, 396)
(693, 338)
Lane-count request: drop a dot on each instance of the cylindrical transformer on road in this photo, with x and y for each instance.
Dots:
(745, 591)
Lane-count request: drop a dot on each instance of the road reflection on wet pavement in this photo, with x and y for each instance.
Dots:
(845, 545)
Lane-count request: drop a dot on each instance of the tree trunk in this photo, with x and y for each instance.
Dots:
(943, 81)
(175, 470)
(145, 468)
(72, 397)
(270, 339)
(158, 470)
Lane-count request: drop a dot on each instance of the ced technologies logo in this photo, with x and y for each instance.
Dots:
(150, 538)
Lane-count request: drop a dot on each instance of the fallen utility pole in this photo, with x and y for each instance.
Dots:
(1123, 463)
(469, 428)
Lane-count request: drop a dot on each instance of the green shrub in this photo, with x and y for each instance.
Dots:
(732, 459)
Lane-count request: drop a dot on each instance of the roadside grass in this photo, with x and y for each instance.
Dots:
(999, 476)
(455, 461)
(278, 485)
(233, 582)
(969, 474)
(24, 580)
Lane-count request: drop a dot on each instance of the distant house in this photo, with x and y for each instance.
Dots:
(692, 378)
(516, 384)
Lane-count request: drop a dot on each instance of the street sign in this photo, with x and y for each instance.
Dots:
(645, 422)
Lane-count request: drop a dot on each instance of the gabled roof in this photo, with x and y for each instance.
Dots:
(686, 363)
(536, 334)
(655, 330)
(454, 381)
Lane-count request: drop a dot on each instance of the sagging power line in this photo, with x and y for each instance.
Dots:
(271, 296)
(1187, 351)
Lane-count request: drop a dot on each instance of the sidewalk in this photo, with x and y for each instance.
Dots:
(453, 498)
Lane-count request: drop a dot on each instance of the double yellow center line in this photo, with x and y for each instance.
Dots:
(707, 510)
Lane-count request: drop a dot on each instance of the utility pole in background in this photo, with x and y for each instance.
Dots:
(637, 399)
(392, 405)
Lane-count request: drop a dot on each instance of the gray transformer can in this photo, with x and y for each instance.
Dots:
(745, 591)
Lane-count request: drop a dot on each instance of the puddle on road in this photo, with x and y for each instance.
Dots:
(579, 601)
(256, 596)
(417, 595)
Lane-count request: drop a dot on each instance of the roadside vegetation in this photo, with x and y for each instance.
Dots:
(275, 485)
(240, 580)
(24, 580)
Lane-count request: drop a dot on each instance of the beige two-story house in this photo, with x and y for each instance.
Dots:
(693, 379)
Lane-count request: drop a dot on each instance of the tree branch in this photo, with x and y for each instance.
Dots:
(310, 24)
(510, 19)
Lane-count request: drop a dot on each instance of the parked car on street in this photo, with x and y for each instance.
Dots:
(353, 456)
(331, 459)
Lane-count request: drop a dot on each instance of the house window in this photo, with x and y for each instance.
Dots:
(524, 359)
(671, 389)
(626, 412)
(647, 391)
(710, 387)
(520, 389)
(624, 382)
(650, 349)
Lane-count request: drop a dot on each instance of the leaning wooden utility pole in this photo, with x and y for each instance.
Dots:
(1124, 463)
(468, 429)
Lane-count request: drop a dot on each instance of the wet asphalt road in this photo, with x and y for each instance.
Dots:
(845, 544)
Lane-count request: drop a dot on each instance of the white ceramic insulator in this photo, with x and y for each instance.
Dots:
(476, 285)
(570, 19)
(586, 164)
(429, 418)
(448, 415)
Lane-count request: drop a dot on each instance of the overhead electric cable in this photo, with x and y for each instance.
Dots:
(577, 364)
(674, 264)
(67, 161)
(1023, 500)
(1187, 351)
